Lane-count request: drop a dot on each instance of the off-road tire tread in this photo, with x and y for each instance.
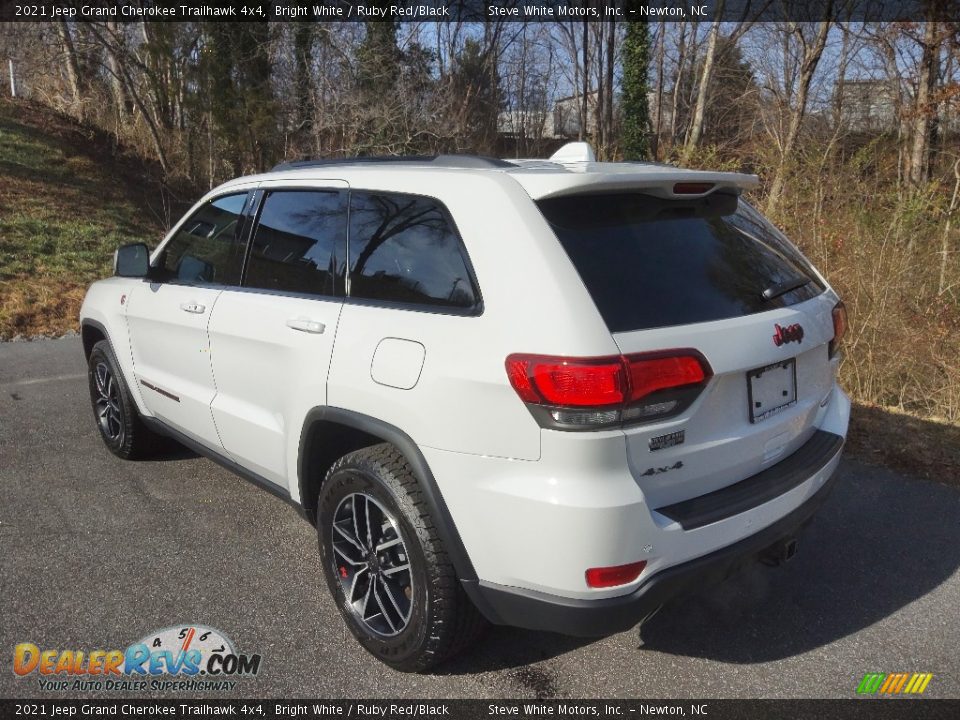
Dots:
(139, 441)
(459, 623)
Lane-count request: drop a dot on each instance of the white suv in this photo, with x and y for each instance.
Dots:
(548, 394)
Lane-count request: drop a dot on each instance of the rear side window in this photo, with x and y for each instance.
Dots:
(299, 242)
(404, 249)
(206, 248)
(649, 262)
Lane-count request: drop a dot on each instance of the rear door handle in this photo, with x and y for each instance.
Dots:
(195, 308)
(305, 325)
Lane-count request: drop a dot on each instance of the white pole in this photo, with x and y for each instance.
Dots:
(13, 85)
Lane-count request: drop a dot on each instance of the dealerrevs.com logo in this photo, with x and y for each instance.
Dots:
(186, 658)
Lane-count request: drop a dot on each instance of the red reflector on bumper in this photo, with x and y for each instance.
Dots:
(605, 577)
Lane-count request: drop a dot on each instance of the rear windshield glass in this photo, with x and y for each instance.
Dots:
(649, 262)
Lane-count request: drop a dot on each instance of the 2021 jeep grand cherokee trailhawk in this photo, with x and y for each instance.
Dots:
(549, 394)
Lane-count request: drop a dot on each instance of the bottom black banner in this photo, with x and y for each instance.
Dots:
(872, 709)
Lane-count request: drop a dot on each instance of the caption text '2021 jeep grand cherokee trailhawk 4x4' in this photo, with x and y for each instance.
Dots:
(549, 394)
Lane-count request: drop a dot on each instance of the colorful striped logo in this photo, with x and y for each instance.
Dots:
(894, 683)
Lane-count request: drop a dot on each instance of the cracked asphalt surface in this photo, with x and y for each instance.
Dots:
(96, 552)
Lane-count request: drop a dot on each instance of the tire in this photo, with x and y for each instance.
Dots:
(116, 415)
(411, 619)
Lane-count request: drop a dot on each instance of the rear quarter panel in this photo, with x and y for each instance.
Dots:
(533, 301)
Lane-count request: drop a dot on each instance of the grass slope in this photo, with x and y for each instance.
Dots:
(68, 197)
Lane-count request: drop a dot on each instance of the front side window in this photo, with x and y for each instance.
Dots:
(207, 248)
(404, 249)
(298, 244)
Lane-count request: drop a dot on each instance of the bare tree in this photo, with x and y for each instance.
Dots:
(70, 58)
(925, 110)
(812, 51)
(696, 126)
(122, 82)
(948, 227)
(117, 72)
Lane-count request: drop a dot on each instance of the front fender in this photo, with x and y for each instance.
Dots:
(104, 308)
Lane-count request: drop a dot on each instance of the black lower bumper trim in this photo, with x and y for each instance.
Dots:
(595, 618)
(767, 484)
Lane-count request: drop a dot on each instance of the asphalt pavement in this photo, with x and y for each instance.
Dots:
(96, 552)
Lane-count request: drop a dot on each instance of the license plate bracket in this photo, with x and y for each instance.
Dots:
(772, 389)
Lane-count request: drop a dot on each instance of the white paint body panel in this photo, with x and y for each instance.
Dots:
(397, 363)
(171, 352)
(268, 376)
(534, 507)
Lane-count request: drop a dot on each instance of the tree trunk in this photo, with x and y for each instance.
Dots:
(116, 69)
(658, 122)
(675, 99)
(70, 55)
(696, 127)
(125, 83)
(608, 113)
(600, 130)
(585, 90)
(303, 58)
(811, 58)
(918, 169)
(948, 226)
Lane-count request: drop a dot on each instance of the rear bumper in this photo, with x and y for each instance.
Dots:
(535, 610)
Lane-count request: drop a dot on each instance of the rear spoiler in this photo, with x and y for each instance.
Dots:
(657, 180)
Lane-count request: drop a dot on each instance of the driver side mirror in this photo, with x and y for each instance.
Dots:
(131, 260)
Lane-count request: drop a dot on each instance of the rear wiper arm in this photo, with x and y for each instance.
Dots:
(782, 288)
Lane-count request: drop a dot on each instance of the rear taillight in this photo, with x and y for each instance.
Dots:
(839, 328)
(586, 393)
(567, 381)
(605, 577)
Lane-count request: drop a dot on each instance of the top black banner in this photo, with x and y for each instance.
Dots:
(482, 10)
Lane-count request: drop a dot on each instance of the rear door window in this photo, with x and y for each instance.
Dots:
(649, 262)
(299, 243)
(404, 249)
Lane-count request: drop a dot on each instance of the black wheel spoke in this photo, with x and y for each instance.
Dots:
(383, 610)
(350, 538)
(388, 591)
(342, 552)
(358, 499)
(353, 585)
(366, 599)
(394, 570)
(366, 513)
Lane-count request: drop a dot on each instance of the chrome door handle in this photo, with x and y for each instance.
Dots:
(195, 308)
(305, 325)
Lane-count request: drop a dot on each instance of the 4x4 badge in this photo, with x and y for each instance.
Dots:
(788, 334)
(657, 470)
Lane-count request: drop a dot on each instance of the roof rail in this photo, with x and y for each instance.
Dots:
(448, 161)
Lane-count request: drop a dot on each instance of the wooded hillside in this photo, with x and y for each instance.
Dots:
(852, 127)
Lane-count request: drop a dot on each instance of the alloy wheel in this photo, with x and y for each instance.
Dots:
(372, 564)
(107, 403)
